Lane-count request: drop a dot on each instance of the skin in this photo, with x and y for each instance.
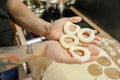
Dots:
(11, 57)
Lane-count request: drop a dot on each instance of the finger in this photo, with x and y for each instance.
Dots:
(69, 59)
(73, 60)
(76, 61)
(88, 44)
(97, 38)
(93, 50)
(75, 19)
(95, 31)
(83, 44)
(94, 42)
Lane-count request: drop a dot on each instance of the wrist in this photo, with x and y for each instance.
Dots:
(51, 45)
(47, 29)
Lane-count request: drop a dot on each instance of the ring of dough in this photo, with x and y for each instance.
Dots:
(85, 51)
(67, 28)
(68, 45)
(86, 39)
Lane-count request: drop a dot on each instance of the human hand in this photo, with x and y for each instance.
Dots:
(61, 54)
(56, 52)
(56, 28)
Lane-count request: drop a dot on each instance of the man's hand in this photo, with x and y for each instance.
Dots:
(56, 28)
(54, 51)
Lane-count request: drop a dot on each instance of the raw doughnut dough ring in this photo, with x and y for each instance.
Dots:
(68, 45)
(85, 51)
(67, 30)
(87, 39)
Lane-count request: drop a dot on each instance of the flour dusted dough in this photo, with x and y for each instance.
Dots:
(104, 61)
(68, 45)
(95, 70)
(118, 61)
(90, 33)
(85, 53)
(67, 28)
(113, 53)
(57, 71)
(113, 73)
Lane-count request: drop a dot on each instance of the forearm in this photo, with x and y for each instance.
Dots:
(13, 56)
(26, 18)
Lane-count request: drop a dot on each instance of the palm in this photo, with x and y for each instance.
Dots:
(59, 54)
(56, 52)
(56, 29)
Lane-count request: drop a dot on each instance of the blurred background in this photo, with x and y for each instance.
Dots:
(105, 13)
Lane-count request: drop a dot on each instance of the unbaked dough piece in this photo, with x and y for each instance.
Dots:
(68, 44)
(95, 70)
(82, 37)
(104, 61)
(112, 73)
(118, 61)
(112, 53)
(110, 48)
(85, 53)
(67, 28)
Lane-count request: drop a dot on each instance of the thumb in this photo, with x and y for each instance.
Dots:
(75, 19)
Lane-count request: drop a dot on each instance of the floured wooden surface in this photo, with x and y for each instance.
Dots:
(107, 67)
